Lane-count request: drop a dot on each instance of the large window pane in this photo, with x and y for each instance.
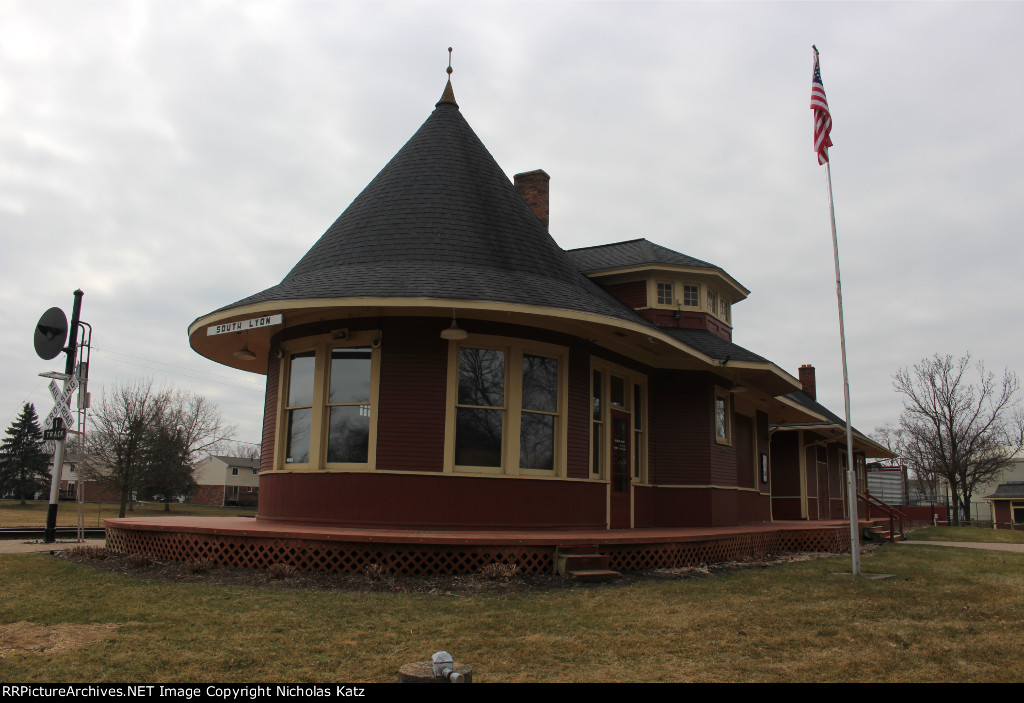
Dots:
(721, 419)
(638, 404)
(540, 383)
(349, 437)
(537, 442)
(618, 391)
(300, 379)
(482, 378)
(300, 422)
(478, 437)
(350, 375)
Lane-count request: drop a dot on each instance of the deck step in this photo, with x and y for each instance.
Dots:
(592, 575)
(583, 562)
(877, 533)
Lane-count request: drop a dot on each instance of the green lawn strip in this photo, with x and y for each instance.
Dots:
(966, 534)
(946, 615)
(33, 513)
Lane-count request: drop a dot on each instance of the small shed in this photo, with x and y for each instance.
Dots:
(1008, 506)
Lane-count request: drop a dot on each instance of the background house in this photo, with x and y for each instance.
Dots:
(226, 480)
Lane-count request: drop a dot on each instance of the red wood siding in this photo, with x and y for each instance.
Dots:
(683, 507)
(680, 425)
(411, 407)
(687, 320)
(836, 482)
(579, 413)
(785, 475)
(707, 507)
(743, 439)
(1002, 514)
(426, 501)
(270, 409)
(633, 294)
(811, 464)
(753, 507)
(723, 456)
(763, 447)
(644, 505)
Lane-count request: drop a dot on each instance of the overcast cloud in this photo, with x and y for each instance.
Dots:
(169, 158)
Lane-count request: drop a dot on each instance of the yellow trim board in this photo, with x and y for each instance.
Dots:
(442, 307)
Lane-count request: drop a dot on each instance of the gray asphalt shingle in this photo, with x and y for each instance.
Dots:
(442, 220)
(635, 252)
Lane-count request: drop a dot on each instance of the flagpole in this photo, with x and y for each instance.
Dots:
(851, 474)
(822, 141)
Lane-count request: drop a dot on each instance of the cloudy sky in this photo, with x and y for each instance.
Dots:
(169, 158)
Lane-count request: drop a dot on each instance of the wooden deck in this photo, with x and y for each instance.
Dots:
(251, 543)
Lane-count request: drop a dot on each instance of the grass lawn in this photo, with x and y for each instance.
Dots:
(966, 534)
(33, 513)
(947, 615)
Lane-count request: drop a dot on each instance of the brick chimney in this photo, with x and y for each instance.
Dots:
(533, 186)
(807, 381)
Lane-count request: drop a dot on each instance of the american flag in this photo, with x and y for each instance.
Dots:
(822, 118)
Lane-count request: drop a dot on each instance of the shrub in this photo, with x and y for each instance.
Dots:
(375, 571)
(139, 561)
(199, 566)
(280, 571)
(499, 572)
(89, 552)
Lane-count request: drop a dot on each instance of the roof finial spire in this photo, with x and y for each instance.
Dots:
(448, 96)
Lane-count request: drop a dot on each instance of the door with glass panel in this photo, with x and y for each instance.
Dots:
(621, 482)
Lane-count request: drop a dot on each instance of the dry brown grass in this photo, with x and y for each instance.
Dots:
(946, 615)
(33, 513)
(967, 534)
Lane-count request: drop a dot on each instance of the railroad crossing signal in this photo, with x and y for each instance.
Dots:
(60, 402)
(55, 433)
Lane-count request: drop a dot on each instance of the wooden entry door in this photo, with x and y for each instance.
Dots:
(620, 494)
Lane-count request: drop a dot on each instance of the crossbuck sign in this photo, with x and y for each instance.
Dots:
(60, 403)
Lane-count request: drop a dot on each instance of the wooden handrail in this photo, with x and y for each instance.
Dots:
(895, 514)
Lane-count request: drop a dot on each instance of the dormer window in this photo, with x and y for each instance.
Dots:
(691, 295)
(665, 294)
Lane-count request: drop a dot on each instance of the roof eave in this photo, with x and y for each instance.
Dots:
(739, 288)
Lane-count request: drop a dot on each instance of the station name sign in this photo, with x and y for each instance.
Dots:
(244, 325)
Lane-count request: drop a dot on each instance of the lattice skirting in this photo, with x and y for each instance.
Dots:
(329, 556)
(421, 559)
(634, 557)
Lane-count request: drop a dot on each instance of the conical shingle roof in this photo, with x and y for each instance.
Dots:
(442, 220)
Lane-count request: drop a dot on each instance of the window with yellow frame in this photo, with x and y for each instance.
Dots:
(506, 407)
(329, 396)
(723, 416)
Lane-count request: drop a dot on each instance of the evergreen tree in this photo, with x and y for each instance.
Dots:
(24, 468)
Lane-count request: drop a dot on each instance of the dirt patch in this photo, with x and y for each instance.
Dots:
(447, 585)
(25, 638)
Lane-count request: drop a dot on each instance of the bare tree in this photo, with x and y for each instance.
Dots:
(143, 437)
(919, 474)
(962, 431)
(245, 450)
